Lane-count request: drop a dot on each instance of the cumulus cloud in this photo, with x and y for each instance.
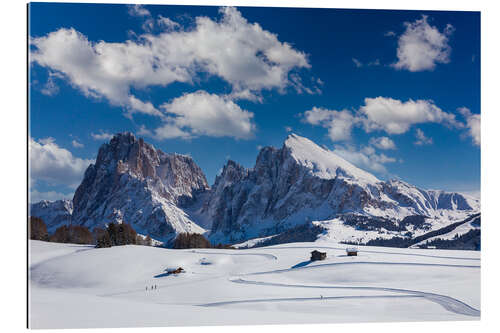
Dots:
(473, 124)
(36, 196)
(396, 117)
(101, 136)
(422, 139)
(422, 46)
(138, 10)
(338, 123)
(365, 158)
(241, 53)
(167, 23)
(54, 164)
(166, 131)
(76, 144)
(383, 142)
(386, 114)
(201, 113)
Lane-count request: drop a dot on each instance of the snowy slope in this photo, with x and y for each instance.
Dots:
(324, 163)
(457, 232)
(274, 284)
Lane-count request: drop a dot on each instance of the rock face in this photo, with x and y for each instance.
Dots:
(132, 181)
(303, 182)
(53, 213)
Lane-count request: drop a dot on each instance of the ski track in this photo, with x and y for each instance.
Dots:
(265, 255)
(449, 303)
(265, 300)
(361, 263)
(366, 251)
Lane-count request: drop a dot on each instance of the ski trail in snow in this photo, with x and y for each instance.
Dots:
(365, 251)
(265, 255)
(361, 263)
(449, 303)
(265, 300)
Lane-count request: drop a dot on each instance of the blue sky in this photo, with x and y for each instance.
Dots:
(395, 92)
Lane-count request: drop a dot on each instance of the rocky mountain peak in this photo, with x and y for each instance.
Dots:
(134, 182)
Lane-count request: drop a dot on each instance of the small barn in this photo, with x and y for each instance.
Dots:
(351, 251)
(176, 271)
(316, 255)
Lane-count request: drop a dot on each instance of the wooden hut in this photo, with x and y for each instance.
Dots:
(316, 255)
(351, 251)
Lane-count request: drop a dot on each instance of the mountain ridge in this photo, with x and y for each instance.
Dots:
(164, 194)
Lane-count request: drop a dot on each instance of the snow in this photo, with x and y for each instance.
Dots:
(78, 286)
(324, 163)
(337, 231)
(458, 231)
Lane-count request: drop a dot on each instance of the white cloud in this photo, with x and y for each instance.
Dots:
(422, 46)
(138, 10)
(357, 63)
(288, 128)
(243, 54)
(36, 196)
(381, 114)
(167, 23)
(55, 165)
(422, 139)
(390, 34)
(365, 158)
(473, 124)
(383, 142)
(338, 123)
(50, 88)
(166, 131)
(396, 117)
(101, 136)
(76, 144)
(201, 113)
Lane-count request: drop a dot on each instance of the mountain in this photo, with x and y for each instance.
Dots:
(303, 182)
(298, 191)
(53, 213)
(132, 181)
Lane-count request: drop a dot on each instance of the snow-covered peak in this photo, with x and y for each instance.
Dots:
(324, 163)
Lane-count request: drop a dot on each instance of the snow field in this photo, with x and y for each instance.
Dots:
(79, 286)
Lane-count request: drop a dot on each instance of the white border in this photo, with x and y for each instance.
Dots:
(13, 165)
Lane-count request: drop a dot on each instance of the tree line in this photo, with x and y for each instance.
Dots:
(114, 234)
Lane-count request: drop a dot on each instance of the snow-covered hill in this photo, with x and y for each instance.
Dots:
(78, 286)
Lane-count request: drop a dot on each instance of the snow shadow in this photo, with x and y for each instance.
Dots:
(302, 264)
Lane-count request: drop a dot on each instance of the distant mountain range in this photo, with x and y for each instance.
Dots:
(296, 187)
